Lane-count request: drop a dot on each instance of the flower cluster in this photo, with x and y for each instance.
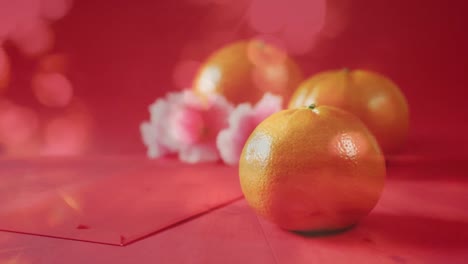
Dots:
(202, 130)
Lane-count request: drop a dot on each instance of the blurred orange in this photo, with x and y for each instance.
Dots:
(374, 98)
(312, 169)
(243, 71)
(52, 89)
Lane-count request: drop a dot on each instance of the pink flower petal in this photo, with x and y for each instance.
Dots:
(184, 123)
(216, 116)
(150, 139)
(230, 141)
(268, 105)
(242, 122)
(153, 132)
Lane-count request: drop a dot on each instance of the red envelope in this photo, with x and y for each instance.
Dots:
(112, 201)
(229, 235)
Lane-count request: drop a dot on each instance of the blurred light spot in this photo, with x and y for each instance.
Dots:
(185, 72)
(4, 69)
(296, 22)
(14, 13)
(209, 79)
(377, 102)
(54, 63)
(303, 27)
(33, 38)
(63, 137)
(268, 16)
(55, 9)
(52, 89)
(299, 43)
(69, 134)
(17, 124)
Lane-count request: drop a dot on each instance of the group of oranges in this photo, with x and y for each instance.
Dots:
(319, 165)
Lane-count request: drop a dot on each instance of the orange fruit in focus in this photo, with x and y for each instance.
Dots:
(312, 169)
(243, 71)
(375, 99)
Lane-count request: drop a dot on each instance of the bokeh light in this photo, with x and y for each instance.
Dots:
(52, 89)
(68, 134)
(15, 13)
(21, 15)
(296, 22)
(26, 26)
(18, 124)
(33, 38)
(268, 16)
(55, 9)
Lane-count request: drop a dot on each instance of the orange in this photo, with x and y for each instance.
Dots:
(374, 98)
(312, 169)
(243, 71)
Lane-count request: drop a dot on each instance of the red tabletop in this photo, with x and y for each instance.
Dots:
(193, 215)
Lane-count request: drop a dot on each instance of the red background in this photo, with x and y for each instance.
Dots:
(123, 55)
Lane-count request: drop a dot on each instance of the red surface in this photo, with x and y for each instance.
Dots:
(417, 221)
(113, 201)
